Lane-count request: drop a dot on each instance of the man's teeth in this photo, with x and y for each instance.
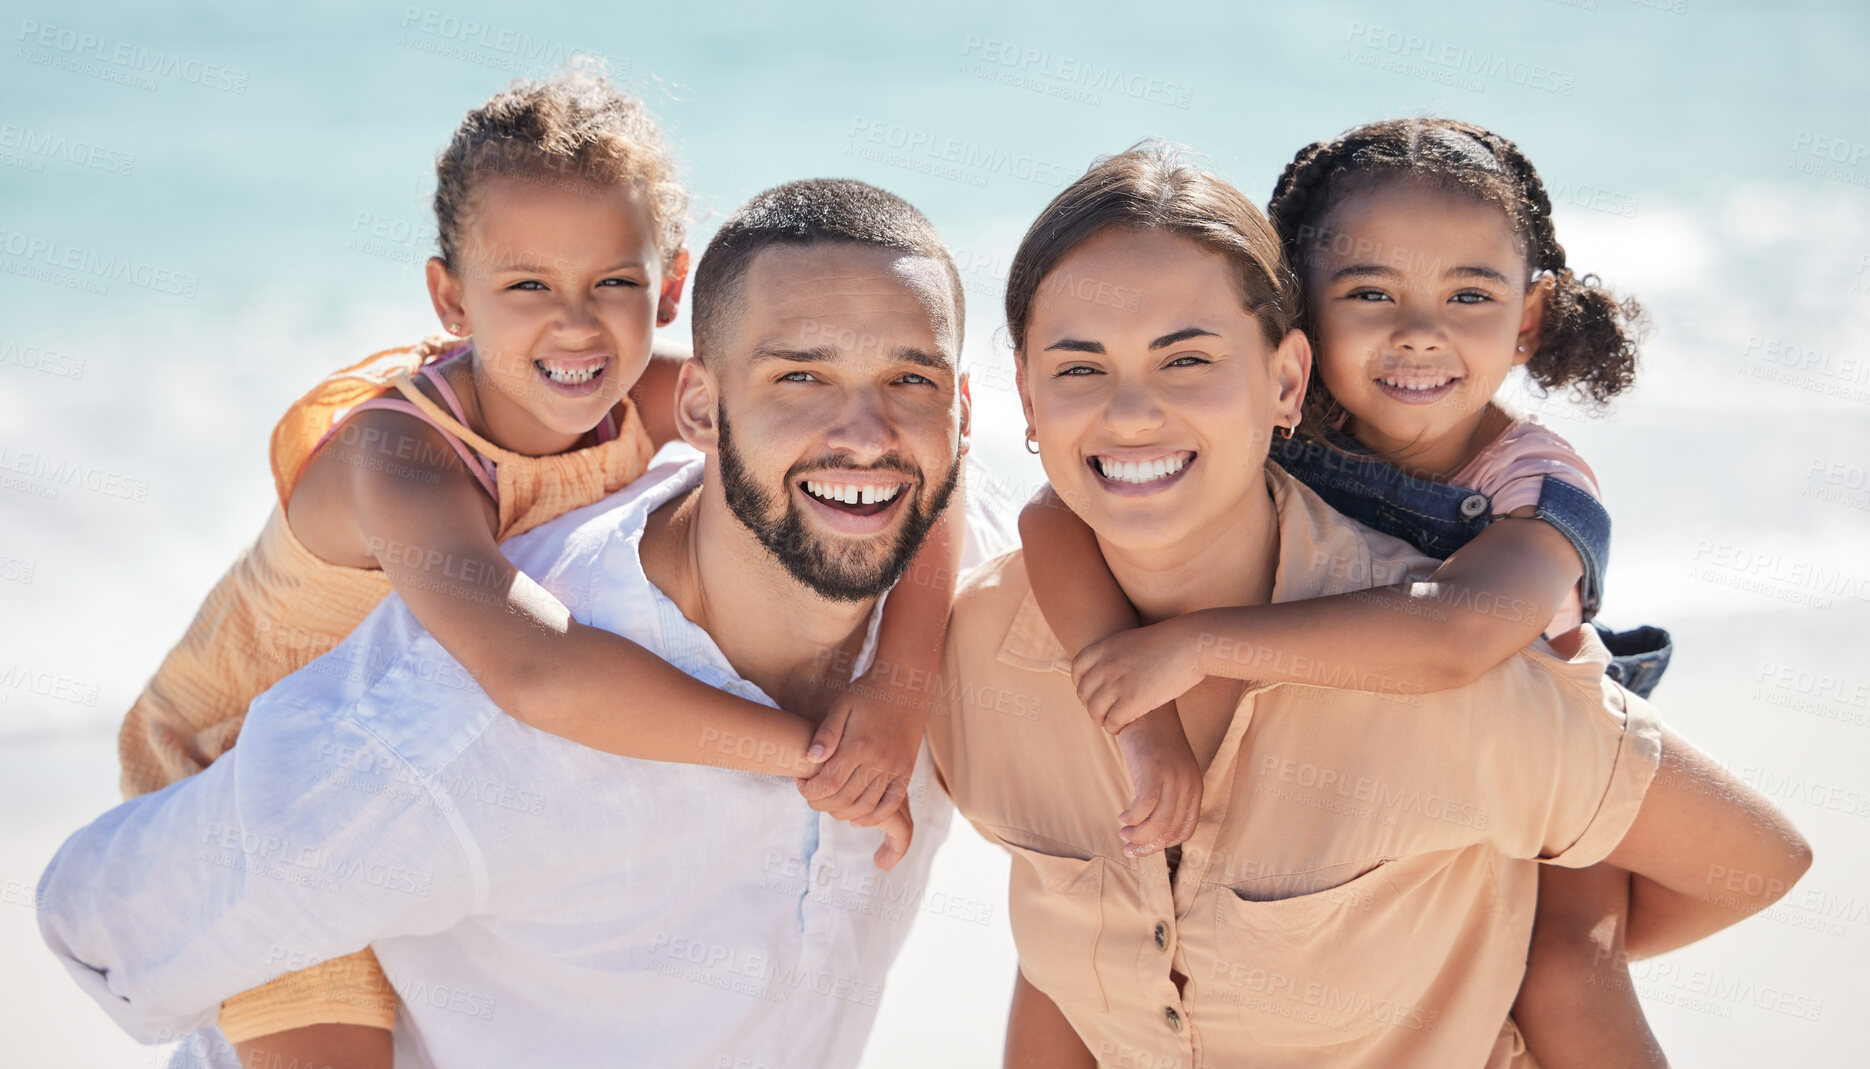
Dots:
(1141, 471)
(850, 494)
(569, 376)
(1416, 384)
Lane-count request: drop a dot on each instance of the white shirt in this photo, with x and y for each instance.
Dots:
(533, 902)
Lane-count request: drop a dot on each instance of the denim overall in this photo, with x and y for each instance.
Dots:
(1438, 519)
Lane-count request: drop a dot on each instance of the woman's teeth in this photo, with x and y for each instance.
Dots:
(1142, 471)
(851, 495)
(569, 376)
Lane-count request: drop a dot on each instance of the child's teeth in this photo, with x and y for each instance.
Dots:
(570, 376)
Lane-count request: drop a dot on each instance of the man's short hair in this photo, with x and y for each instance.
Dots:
(805, 213)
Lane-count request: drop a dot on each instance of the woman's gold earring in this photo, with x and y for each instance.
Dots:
(1286, 432)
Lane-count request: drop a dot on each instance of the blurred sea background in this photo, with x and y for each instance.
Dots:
(204, 208)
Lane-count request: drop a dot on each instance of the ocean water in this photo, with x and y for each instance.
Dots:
(203, 208)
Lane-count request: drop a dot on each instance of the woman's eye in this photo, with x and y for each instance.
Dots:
(1188, 360)
(1077, 370)
(1471, 297)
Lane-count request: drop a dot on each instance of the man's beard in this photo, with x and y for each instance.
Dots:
(833, 575)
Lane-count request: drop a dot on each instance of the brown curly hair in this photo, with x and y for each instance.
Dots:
(574, 128)
(1588, 340)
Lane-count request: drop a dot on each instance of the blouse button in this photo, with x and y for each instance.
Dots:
(1170, 1015)
(1162, 935)
(1473, 506)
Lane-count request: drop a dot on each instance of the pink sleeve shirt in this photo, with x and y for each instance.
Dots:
(1510, 470)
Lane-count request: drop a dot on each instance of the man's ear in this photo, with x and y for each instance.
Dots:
(1292, 373)
(966, 397)
(672, 282)
(1532, 320)
(445, 295)
(697, 402)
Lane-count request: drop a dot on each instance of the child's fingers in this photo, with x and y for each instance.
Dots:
(1150, 835)
(843, 804)
(1140, 807)
(867, 802)
(827, 782)
(830, 732)
(892, 797)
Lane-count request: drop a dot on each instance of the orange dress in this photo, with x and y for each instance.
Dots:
(280, 606)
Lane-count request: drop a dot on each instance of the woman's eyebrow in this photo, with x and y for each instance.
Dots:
(1076, 345)
(1181, 336)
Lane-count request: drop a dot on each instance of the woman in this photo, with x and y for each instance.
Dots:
(1359, 888)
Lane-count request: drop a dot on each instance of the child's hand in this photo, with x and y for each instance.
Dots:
(1122, 677)
(1167, 781)
(868, 742)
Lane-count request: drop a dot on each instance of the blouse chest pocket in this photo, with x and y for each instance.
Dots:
(1328, 967)
(1056, 907)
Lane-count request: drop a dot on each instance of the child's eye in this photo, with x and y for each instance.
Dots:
(530, 285)
(1471, 297)
(620, 282)
(1370, 296)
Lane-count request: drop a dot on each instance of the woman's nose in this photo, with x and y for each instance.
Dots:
(1133, 409)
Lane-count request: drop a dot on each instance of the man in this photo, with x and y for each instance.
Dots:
(534, 902)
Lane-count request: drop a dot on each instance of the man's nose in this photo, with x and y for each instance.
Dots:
(862, 425)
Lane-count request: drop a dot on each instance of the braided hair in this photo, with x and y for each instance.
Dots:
(1588, 339)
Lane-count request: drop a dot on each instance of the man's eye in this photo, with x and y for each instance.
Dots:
(916, 380)
(797, 376)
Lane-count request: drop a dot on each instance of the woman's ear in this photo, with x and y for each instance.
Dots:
(1019, 383)
(672, 282)
(697, 400)
(1292, 373)
(1532, 319)
(445, 295)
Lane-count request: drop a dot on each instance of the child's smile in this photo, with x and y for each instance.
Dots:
(1422, 307)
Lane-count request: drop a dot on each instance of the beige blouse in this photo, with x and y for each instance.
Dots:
(1359, 891)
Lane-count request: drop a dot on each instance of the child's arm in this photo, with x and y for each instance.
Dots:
(1083, 604)
(1698, 826)
(430, 531)
(1487, 601)
(870, 735)
(1037, 1034)
(654, 392)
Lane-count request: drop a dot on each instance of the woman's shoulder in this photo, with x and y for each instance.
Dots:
(995, 587)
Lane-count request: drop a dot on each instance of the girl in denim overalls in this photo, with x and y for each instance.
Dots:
(1430, 269)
